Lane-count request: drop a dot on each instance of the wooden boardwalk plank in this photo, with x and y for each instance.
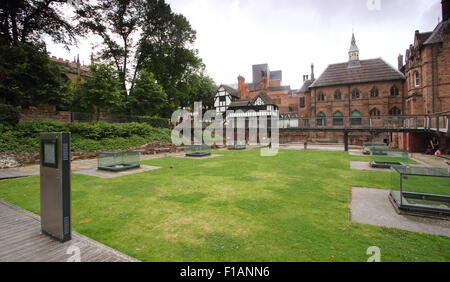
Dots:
(21, 240)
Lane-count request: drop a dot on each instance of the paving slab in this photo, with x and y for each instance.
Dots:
(21, 240)
(372, 206)
(109, 174)
(366, 166)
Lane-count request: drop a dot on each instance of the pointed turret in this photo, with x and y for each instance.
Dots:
(353, 53)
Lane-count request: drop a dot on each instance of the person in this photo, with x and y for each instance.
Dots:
(434, 144)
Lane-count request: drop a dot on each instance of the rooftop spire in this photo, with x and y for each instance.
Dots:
(353, 53)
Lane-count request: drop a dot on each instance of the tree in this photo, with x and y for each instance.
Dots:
(28, 78)
(29, 21)
(197, 88)
(166, 48)
(163, 40)
(101, 93)
(148, 97)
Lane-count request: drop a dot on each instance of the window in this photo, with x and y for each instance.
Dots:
(355, 94)
(375, 112)
(277, 101)
(320, 97)
(394, 91)
(321, 121)
(416, 79)
(356, 118)
(302, 102)
(222, 98)
(337, 95)
(338, 119)
(374, 93)
(395, 111)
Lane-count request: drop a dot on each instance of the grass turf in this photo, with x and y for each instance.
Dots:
(239, 207)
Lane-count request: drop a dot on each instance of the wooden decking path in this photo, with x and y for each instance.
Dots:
(21, 241)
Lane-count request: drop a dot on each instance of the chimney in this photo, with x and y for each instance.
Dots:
(312, 72)
(445, 10)
(400, 61)
(241, 86)
(264, 82)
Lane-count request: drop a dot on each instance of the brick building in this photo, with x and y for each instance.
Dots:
(427, 70)
(359, 88)
(264, 81)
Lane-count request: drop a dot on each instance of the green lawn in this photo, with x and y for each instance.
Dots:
(240, 207)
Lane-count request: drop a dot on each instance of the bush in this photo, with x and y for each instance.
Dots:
(24, 137)
(9, 114)
(33, 128)
(154, 121)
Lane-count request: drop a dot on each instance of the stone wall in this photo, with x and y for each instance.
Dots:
(44, 113)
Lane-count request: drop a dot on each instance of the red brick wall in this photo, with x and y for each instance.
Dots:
(44, 114)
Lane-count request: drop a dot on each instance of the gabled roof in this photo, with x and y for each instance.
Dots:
(240, 103)
(266, 99)
(437, 35)
(251, 102)
(369, 71)
(231, 90)
(305, 86)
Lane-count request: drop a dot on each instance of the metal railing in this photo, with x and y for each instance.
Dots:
(439, 122)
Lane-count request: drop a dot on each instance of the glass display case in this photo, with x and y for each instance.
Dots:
(368, 146)
(240, 145)
(384, 157)
(198, 150)
(118, 161)
(421, 190)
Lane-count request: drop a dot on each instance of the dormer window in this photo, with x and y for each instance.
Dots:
(416, 79)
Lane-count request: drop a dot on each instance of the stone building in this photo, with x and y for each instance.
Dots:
(73, 70)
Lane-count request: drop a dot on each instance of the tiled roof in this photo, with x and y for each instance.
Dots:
(280, 88)
(437, 35)
(263, 95)
(369, 71)
(240, 103)
(305, 87)
(230, 90)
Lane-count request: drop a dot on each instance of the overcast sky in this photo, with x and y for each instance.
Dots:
(232, 35)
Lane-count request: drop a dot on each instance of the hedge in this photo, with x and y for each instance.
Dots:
(9, 114)
(24, 137)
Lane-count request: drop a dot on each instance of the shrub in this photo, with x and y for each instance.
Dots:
(9, 114)
(155, 121)
(33, 128)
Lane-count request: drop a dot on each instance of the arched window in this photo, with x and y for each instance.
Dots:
(395, 111)
(374, 93)
(356, 118)
(394, 91)
(321, 119)
(375, 112)
(320, 97)
(338, 119)
(338, 95)
(416, 79)
(355, 93)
